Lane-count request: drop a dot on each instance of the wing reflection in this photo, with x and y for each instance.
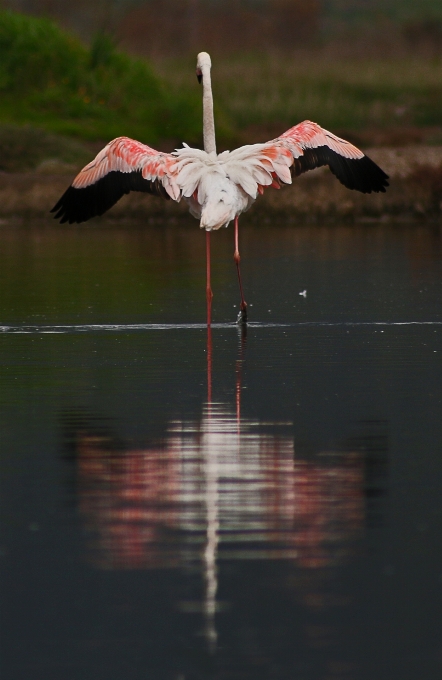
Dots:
(210, 488)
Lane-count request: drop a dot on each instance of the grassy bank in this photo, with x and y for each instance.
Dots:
(25, 147)
(377, 101)
(51, 80)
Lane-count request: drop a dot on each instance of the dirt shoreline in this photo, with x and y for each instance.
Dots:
(415, 193)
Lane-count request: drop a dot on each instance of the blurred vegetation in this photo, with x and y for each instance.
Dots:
(52, 84)
(50, 79)
(270, 92)
(24, 147)
(224, 27)
(371, 10)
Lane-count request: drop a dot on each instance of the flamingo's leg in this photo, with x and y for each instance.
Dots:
(242, 316)
(209, 294)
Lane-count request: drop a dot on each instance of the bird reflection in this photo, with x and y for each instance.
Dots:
(141, 503)
(222, 487)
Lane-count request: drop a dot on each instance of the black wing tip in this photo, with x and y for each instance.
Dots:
(360, 174)
(71, 208)
(79, 205)
(373, 178)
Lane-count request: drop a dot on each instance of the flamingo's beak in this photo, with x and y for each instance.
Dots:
(199, 75)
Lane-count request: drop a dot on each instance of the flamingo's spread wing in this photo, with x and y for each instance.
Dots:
(123, 165)
(304, 147)
(313, 147)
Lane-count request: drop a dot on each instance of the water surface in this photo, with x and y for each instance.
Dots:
(180, 506)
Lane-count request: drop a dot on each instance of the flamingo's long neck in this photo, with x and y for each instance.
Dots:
(208, 119)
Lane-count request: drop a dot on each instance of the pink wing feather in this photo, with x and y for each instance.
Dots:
(123, 165)
(308, 135)
(310, 146)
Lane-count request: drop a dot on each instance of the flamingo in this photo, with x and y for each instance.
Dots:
(217, 187)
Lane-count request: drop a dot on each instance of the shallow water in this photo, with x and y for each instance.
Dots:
(181, 505)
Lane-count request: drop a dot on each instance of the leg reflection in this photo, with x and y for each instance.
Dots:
(238, 371)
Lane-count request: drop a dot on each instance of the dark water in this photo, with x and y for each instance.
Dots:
(242, 506)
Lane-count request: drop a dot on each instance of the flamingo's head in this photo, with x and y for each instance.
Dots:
(203, 63)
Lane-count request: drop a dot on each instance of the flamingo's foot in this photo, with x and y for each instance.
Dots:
(242, 315)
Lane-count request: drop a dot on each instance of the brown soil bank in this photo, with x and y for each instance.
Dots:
(415, 192)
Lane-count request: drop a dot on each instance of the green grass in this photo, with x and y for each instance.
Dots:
(50, 79)
(340, 94)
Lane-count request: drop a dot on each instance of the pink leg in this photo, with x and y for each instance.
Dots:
(242, 317)
(209, 294)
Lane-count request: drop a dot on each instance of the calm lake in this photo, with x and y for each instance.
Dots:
(185, 505)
